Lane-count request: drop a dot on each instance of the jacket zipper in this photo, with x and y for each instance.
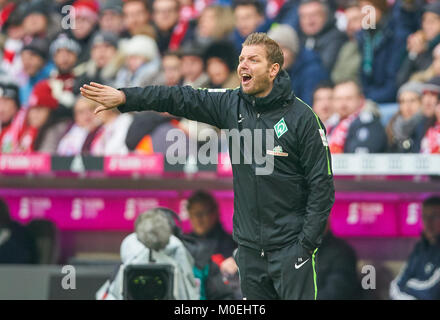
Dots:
(256, 189)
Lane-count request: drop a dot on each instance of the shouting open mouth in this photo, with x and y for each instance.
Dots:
(245, 78)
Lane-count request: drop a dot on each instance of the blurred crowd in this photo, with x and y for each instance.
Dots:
(369, 68)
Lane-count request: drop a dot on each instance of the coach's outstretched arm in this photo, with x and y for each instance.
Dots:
(316, 162)
(107, 97)
(194, 104)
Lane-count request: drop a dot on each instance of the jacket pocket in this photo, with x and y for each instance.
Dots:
(284, 193)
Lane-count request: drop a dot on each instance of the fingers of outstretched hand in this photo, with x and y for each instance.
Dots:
(97, 85)
(88, 93)
(92, 88)
(99, 109)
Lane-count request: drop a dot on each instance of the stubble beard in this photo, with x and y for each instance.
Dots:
(260, 86)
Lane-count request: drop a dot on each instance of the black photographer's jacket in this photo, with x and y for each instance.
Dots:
(270, 210)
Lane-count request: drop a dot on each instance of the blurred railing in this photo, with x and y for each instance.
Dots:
(343, 164)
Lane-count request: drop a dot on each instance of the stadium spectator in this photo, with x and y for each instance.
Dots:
(221, 63)
(215, 23)
(111, 17)
(402, 132)
(141, 63)
(39, 118)
(36, 67)
(104, 64)
(323, 105)
(382, 48)
(169, 33)
(337, 274)
(137, 14)
(420, 45)
(9, 107)
(419, 279)
(52, 132)
(303, 65)
(16, 244)
(13, 42)
(430, 98)
(318, 31)
(9, 103)
(110, 138)
(37, 19)
(432, 71)
(349, 58)
(431, 141)
(359, 129)
(204, 216)
(193, 66)
(85, 16)
(212, 247)
(288, 14)
(172, 68)
(85, 125)
(431, 95)
(249, 18)
(190, 9)
(64, 52)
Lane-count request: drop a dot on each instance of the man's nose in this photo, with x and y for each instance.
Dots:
(243, 65)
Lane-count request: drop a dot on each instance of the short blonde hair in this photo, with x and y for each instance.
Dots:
(273, 51)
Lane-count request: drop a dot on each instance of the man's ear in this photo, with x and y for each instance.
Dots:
(274, 69)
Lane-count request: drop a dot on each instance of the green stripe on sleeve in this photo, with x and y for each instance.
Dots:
(329, 170)
(314, 272)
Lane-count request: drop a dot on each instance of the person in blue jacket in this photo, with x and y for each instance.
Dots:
(420, 277)
(318, 31)
(303, 66)
(382, 46)
(36, 66)
(249, 17)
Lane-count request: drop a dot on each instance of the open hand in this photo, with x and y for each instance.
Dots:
(106, 96)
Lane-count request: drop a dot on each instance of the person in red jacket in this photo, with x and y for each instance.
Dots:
(431, 140)
(39, 116)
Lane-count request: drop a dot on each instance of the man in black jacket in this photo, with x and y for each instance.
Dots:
(280, 215)
(17, 246)
(318, 31)
(211, 248)
(419, 279)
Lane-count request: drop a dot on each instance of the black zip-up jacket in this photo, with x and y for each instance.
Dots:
(270, 211)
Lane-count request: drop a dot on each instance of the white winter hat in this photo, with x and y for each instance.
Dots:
(140, 45)
(412, 86)
(285, 36)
